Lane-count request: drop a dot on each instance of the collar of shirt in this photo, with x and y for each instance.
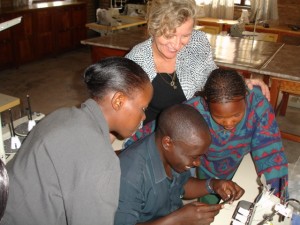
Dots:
(93, 108)
(157, 165)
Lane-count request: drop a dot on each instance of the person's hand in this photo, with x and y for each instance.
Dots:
(264, 88)
(228, 190)
(196, 213)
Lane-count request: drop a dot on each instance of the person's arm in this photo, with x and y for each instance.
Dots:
(257, 82)
(194, 213)
(195, 188)
(132, 201)
(267, 150)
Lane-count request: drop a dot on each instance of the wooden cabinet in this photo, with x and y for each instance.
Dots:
(42, 32)
(24, 39)
(6, 45)
(70, 27)
(78, 24)
(63, 26)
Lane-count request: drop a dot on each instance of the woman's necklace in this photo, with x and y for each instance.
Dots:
(173, 79)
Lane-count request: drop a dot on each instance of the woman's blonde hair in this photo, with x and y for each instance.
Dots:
(164, 16)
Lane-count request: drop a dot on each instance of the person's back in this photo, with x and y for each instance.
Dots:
(56, 167)
(66, 171)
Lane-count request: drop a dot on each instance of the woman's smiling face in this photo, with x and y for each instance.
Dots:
(170, 44)
(228, 114)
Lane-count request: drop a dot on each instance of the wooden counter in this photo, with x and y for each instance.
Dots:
(117, 44)
(232, 52)
(241, 53)
(125, 22)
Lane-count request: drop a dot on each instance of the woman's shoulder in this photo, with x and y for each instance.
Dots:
(198, 46)
(142, 48)
(199, 36)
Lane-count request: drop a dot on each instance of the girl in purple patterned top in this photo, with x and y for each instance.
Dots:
(241, 121)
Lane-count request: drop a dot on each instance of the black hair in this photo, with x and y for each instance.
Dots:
(114, 73)
(4, 182)
(224, 86)
(180, 122)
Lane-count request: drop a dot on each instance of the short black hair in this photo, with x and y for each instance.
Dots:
(180, 121)
(114, 73)
(224, 86)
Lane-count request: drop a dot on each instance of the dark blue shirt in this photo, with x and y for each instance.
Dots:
(146, 193)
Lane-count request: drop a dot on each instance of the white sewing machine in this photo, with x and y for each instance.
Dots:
(108, 17)
(246, 177)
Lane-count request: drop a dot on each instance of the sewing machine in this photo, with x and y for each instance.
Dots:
(252, 208)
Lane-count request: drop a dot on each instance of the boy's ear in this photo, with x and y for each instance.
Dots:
(167, 143)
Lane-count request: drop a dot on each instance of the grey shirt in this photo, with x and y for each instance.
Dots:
(66, 171)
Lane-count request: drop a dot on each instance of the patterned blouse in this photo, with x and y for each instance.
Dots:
(193, 63)
(257, 133)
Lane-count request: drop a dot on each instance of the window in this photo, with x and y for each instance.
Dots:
(242, 2)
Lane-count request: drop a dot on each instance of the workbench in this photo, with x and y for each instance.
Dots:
(125, 22)
(6, 102)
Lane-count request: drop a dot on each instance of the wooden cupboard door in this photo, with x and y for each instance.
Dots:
(63, 25)
(24, 39)
(79, 19)
(44, 36)
(6, 45)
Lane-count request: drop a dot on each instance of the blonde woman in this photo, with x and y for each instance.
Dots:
(177, 58)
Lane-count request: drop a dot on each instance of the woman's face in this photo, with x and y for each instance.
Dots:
(229, 114)
(132, 112)
(170, 44)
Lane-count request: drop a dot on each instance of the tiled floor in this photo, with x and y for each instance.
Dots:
(57, 82)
